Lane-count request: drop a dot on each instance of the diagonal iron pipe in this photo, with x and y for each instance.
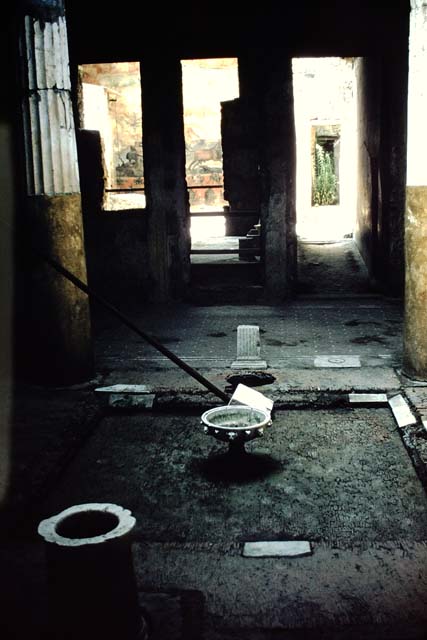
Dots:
(89, 291)
(129, 323)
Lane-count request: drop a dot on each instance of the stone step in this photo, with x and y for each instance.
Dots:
(223, 273)
(239, 295)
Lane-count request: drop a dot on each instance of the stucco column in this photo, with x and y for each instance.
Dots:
(415, 329)
(55, 341)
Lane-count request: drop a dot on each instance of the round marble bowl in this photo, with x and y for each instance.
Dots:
(235, 424)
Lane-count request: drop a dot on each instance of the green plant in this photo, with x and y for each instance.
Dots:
(325, 183)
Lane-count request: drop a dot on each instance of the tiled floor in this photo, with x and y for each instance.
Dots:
(295, 333)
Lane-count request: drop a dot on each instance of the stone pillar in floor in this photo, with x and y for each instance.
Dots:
(54, 345)
(415, 329)
(165, 185)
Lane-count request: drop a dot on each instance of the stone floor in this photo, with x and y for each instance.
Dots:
(345, 478)
(339, 478)
(292, 334)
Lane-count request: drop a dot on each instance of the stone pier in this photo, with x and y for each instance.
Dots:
(415, 330)
(165, 187)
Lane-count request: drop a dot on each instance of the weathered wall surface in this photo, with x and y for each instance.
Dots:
(381, 113)
(54, 344)
(415, 330)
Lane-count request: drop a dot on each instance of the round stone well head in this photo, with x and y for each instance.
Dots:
(86, 524)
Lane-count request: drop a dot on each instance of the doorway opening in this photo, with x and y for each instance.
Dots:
(206, 83)
(325, 104)
(219, 260)
(325, 125)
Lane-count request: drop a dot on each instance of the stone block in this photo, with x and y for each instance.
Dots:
(127, 396)
(248, 348)
(337, 361)
(401, 411)
(281, 548)
(368, 398)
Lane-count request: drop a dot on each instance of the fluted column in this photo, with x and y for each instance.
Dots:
(54, 344)
(51, 153)
(415, 329)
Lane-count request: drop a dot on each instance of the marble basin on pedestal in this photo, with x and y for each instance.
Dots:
(235, 425)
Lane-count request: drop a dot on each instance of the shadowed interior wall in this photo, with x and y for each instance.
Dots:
(368, 79)
(381, 113)
(394, 100)
(7, 187)
(115, 241)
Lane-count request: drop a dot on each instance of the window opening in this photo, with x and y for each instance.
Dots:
(111, 97)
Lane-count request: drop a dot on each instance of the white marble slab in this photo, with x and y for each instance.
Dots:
(124, 388)
(401, 411)
(367, 398)
(280, 548)
(252, 365)
(337, 361)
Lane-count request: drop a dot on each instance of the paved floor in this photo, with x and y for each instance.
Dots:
(340, 479)
(294, 332)
(344, 478)
(338, 476)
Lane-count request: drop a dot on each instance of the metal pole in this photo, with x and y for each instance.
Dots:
(155, 343)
